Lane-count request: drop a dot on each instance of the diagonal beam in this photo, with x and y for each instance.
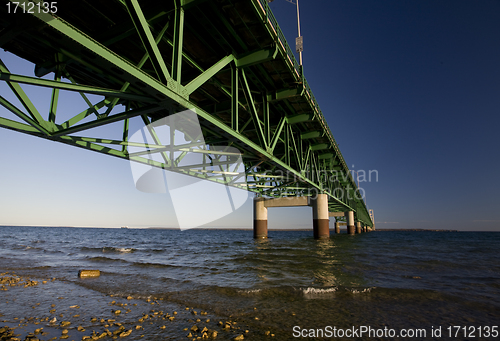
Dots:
(85, 98)
(9, 77)
(139, 65)
(110, 119)
(297, 153)
(253, 111)
(209, 73)
(267, 121)
(142, 27)
(23, 98)
(92, 109)
(168, 160)
(153, 86)
(91, 146)
(125, 29)
(277, 134)
(287, 143)
(17, 126)
(12, 108)
(113, 142)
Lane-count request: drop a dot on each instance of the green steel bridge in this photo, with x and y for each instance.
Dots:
(227, 60)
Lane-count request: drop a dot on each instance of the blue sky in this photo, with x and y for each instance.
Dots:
(410, 89)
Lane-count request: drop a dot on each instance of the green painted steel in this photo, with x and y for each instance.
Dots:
(150, 45)
(227, 61)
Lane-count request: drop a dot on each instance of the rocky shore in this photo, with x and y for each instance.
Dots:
(102, 317)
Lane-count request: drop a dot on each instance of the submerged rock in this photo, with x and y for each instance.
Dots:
(127, 333)
(89, 273)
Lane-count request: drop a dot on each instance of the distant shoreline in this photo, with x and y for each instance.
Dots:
(245, 229)
(423, 230)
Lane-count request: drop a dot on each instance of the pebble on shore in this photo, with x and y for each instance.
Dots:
(153, 316)
(89, 273)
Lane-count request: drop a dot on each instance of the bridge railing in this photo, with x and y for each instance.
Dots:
(291, 56)
(281, 37)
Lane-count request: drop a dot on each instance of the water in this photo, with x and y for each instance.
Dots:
(395, 280)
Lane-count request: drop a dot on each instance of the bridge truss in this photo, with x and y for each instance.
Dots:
(225, 60)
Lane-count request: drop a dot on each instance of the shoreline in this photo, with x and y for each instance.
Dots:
(50, 309)
(332, 229)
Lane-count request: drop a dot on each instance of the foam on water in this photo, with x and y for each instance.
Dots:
(318, 291)
(118, 249)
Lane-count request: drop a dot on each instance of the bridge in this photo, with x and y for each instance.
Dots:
(227, 61)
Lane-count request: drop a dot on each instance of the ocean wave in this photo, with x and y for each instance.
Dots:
(318, 291)
(261, 292)
(106, 259)
(250, 291)
(91, 249)
(308, 292)
(118, 249)
(41, 267)
(108, 249)
(154, 265)
(27, 247)
(359, 291)
(154, 250)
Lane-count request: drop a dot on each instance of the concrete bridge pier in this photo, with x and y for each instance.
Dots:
(337, 227)
(350, 222)
(321, 218)
(321, 215)
(259, 218)
(337, 224)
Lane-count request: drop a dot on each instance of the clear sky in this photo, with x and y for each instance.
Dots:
(410, 89)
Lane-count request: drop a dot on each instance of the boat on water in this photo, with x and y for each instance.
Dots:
(124, 227)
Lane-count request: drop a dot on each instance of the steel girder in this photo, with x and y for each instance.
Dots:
(228, 61)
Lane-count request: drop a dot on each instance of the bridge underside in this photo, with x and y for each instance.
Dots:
(131, 61)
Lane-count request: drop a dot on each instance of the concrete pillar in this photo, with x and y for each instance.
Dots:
(321, 217)
(259, 218)
(358, 227)
(350, 222)
(337, 227)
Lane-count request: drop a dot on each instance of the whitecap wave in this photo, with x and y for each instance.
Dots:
(250, 291)
(318, 291)
(118, 249)
(359, 291)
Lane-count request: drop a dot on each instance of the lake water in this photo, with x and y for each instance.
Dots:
(288, 285)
